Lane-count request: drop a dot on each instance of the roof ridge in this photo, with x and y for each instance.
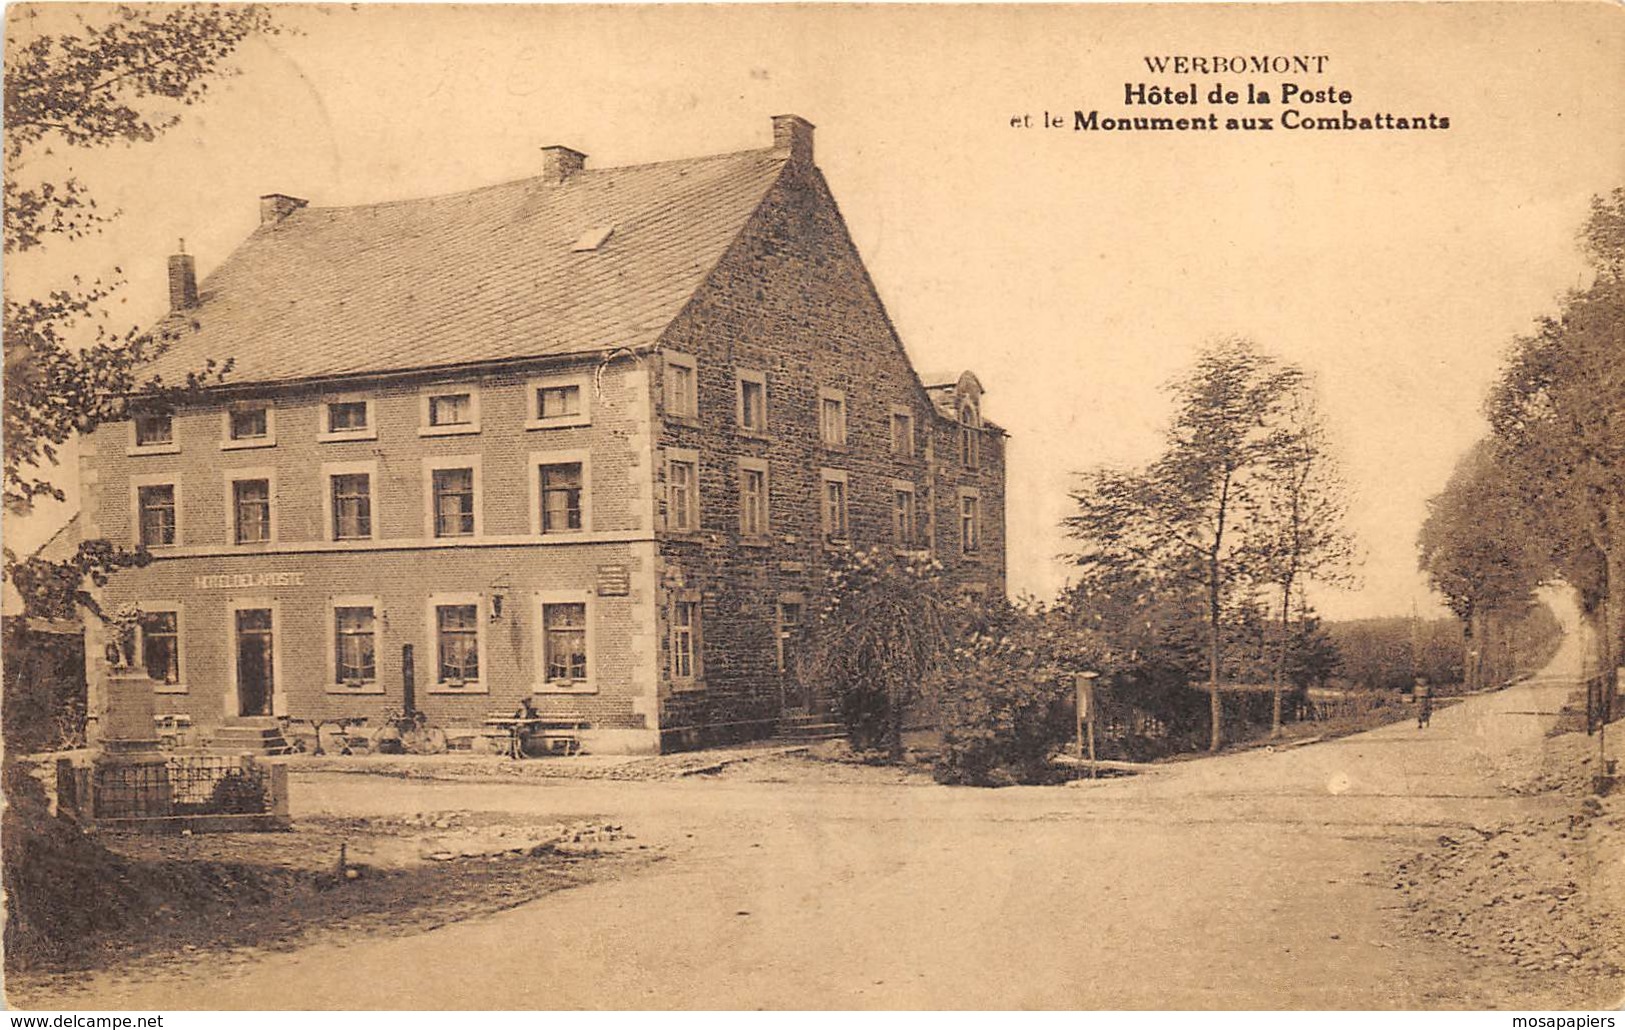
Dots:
(509, 183)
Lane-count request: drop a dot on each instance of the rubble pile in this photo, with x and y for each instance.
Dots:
(1544, 893)
(448, 836)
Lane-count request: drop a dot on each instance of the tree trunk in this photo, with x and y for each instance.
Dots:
(1613, 621)
(1280, 657)
(1215, 709)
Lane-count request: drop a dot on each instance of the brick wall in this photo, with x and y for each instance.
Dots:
(404, 565)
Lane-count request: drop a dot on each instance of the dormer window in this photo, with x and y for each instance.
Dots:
(970, 436)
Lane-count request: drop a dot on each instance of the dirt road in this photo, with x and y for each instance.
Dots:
(1258, 880)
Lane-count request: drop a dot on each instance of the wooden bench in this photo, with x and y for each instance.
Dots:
(556, 734)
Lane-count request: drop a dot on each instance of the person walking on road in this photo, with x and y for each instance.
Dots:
(1422, 694)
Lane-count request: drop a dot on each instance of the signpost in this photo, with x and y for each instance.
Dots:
(1085, 683)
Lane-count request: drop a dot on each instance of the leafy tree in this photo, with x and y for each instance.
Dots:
(1300, 534)
(111, 76)
(1558, 419)
(1478, 550)
(883, 626)
(1184, 520)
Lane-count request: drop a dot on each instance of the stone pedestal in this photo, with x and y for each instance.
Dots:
(130, 775)
(127, 725)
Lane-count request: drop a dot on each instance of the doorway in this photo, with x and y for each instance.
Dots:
(255, 661)
(796, 698)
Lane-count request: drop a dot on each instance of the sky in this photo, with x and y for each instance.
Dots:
(1075, 272)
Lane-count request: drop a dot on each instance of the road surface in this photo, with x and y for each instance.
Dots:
(1254, 880)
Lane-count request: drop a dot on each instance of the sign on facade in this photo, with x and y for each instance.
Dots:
(614, 580)
(239, 580)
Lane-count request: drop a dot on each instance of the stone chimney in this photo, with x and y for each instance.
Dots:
(274, 207)
(559, 163)
(794, 133)
(182, 280)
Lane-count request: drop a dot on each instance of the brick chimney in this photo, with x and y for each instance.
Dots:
(559, 163)
(182, 280)
(274, 207)
(794, 133)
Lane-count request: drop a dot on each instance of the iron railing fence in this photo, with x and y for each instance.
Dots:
(181, 785)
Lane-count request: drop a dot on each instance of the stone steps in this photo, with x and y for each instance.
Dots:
(250, 735)
(804, 729)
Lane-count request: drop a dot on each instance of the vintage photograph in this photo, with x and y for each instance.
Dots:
(814, 507)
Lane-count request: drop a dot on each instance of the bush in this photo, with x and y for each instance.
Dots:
(44, 700)
(1005, 694)
(882, 627)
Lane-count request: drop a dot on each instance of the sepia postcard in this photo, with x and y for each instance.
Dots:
(814, 507)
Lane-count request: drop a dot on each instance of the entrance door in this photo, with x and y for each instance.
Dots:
(254, 661)
(792, 683)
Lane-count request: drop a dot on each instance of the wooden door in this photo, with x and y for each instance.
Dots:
(255, 661)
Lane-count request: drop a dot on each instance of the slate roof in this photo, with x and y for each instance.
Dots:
(485, 275)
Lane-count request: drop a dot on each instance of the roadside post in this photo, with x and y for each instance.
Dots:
(1085, 684)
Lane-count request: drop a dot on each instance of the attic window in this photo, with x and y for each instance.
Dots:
(592, 239)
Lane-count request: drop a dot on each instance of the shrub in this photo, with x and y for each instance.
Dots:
(1005, 693)
(883, 626)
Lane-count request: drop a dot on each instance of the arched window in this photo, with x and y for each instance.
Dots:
(970, 435)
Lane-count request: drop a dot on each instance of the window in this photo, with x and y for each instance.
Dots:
(560, 401)
(251, 511)
(682, 491)
(970, 437)
(448, 410)
(560, 491)
(457, 643)
(564, 642)
(161, 646)
(902, 432)
(685, 638)
(752, 407)
(451, 409)
(834, 504)
(970, 523)
(753, 498)
(157, 514)
(453, 491)
(832, 418)
(355, 645)
(352, 506)
(347, 416)
(154, 430)
(682, 386)
(904, 515)
(249, 424)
